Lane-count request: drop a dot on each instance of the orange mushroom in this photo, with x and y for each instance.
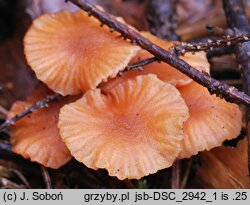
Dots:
(71, 53)
(164, 71)
(212, 120)
(132, 131)
(37, 136)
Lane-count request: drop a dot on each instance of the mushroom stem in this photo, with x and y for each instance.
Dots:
(227, 92)
(37, 106)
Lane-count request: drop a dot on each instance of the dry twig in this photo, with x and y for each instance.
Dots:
(229, 93)
(228, 41)
(184, 47)
(138, 65)
(38, 105)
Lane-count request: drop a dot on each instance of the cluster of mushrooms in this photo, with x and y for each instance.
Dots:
(131, 125)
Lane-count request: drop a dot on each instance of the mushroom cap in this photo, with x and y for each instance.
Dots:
(72, 53)
(37, 136)
(134, 130)
(212, 120)
(164, 71)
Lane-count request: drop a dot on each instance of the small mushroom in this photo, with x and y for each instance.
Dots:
(133, 130)
(37, 136)
(212, 120)
(72, 53)
(164, 71)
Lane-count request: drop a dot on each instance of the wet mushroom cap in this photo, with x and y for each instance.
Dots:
(164, 71)
(133, 130)
(72, 53)
(37, 136)
(212, 120)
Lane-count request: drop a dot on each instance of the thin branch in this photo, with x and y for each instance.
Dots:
(238, 21)
(219, 51)
(184, 47)
(229, 41)
(227, 92)
(138, 65)
(38, 105)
